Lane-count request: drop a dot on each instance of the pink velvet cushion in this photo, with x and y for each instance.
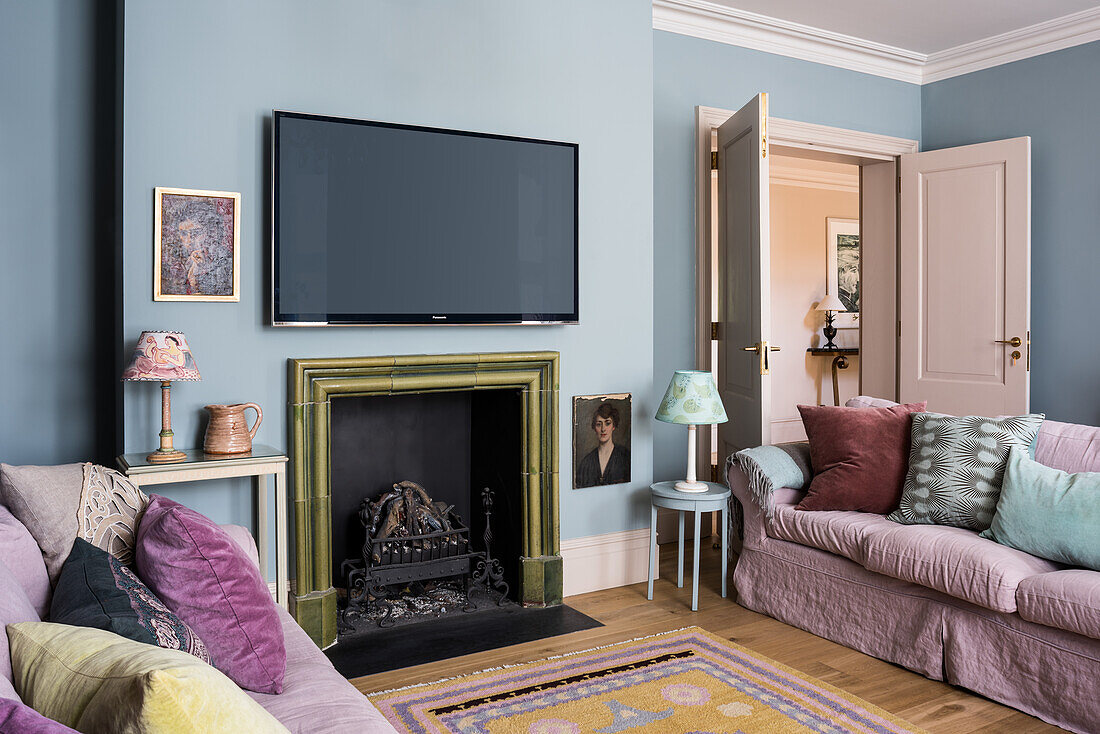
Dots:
(859, 456)
(204, 576)
(1068, 600)
(955, 561)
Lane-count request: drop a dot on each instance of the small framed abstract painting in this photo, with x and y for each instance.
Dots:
(842, 272)
(196, 241)
(601, 440)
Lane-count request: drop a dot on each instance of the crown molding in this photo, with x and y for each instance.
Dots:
(1041, 38)
(827, 139)
(724, 24)
(714, 22)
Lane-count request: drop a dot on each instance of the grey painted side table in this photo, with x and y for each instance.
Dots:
(664, 494)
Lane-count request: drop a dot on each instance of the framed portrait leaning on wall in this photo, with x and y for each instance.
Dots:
(601, 440)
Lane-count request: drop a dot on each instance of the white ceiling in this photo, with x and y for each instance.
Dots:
(924, 26)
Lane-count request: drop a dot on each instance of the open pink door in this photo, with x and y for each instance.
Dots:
(744, 278)
(965, 278)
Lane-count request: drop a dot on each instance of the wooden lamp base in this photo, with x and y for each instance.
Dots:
(165, 457)
(167, 453)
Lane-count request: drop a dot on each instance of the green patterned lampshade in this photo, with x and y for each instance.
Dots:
(692, 399)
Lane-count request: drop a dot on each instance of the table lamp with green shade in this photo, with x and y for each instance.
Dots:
(692, 400)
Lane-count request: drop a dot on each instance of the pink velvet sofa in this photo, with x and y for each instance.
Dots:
(315, 697)
(940, 601)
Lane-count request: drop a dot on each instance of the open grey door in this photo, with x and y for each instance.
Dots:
(744, 280)
(965, 278)
(878, 318)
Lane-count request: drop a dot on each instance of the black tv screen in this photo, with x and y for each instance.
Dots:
(380, 223)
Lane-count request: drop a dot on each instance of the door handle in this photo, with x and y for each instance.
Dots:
(1013, 342)
(762, 348)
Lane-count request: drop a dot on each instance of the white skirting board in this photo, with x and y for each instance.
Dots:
(292, 589)
(605, 561)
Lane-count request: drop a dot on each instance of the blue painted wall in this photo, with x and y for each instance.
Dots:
(1054, 98)
(53, 399)
(201, 80)
(688, 72)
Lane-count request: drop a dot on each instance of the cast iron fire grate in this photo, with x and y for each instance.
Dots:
(412, 541)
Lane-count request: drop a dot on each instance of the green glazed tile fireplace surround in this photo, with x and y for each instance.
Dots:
(312, 385)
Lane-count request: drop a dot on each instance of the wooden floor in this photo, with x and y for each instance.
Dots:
(626, 614)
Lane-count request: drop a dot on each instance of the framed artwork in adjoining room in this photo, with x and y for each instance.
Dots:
(842, 268)
(601, 440)
(196, 245)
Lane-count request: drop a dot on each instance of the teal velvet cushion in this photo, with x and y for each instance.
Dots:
(1049, 513)
(956, 466)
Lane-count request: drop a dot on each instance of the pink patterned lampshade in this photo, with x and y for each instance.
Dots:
(162, 356)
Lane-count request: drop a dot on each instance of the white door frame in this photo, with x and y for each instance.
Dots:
(822, 141)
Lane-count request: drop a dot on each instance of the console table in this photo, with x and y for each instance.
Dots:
(840, 362)
(259, 463)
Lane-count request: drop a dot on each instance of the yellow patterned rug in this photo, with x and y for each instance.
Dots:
(688, 681)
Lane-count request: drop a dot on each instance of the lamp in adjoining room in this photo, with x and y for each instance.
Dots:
(163, 356)
(831, 305)
(691, 400)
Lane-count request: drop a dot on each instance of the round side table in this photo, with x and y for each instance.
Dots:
(664, 494)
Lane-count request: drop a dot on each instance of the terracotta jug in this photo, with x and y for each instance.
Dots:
(228, 431)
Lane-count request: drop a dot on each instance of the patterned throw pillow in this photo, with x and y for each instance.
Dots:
(95, 590)
(956, 466)
(109, 511)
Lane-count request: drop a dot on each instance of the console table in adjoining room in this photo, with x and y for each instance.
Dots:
(840, 362)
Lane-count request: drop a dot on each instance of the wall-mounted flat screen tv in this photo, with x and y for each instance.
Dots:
(380, 223)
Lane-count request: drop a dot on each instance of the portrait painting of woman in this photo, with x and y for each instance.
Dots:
(601, 440)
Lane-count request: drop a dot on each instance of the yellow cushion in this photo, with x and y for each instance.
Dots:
(96, 681)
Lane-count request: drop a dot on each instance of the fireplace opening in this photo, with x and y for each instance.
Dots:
(449, 446)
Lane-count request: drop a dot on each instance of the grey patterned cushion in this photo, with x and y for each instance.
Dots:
(956, 465)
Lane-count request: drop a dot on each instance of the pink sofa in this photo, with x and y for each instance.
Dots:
(315, 698)
(940, 601)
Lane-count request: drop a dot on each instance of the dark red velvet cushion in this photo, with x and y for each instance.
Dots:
(859, 456)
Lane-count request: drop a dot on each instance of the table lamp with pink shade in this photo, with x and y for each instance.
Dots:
(163, 356)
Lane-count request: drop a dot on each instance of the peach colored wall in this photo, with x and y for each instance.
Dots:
(798, 282)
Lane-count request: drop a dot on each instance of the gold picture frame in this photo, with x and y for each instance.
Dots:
(600, 420)
(196, 251)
